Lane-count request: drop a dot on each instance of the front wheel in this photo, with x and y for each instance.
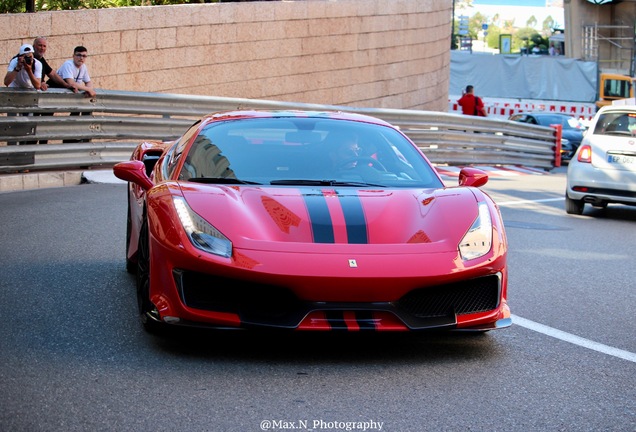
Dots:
(573, 206)
(147, 311)
(131, 266)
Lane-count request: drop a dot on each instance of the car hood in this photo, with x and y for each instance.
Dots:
(310, 218)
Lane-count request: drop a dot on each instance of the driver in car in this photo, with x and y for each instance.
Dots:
(344, 150)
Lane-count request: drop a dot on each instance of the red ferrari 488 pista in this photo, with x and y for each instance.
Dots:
(309, 221)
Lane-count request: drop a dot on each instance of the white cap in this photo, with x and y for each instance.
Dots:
(26, 48)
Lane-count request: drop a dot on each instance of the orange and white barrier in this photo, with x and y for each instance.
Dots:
(504, 108)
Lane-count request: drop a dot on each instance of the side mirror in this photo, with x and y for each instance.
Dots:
(134, 172)
(472, 177)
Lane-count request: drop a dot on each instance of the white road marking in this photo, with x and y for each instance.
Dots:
(558, 334)
(498, 172)
(527, 170)
(576, 340)
(521, 202)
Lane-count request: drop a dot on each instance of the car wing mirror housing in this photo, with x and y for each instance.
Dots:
(134, 172)
(472, 177)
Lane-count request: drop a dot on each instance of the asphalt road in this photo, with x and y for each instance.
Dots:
(74, 358)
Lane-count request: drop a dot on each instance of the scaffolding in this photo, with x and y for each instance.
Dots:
(611, 46)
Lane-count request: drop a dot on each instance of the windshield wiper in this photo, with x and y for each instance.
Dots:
(221, 180)
(304, 182)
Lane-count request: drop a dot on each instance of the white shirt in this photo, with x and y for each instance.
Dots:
(69, 70)
(22, 79)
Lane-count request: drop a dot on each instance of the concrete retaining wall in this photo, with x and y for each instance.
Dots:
(362, 53)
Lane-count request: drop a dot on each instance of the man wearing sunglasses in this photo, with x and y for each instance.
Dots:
(75, 72)
(24, 70)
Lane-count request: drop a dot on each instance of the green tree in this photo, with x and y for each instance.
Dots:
(463, 6)
(493, 36)
(508, 26)
(496, 20)
(522, 38)
(548, 26)
(12, 6)
(475, 23)
(528, 38)
(18, 6)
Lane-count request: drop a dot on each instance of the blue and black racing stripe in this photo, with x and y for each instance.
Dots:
(322, 223)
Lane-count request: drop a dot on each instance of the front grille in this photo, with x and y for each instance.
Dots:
(253, 302)
(461, 298)
(275, 306)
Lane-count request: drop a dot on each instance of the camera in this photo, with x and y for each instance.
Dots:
(28, 60)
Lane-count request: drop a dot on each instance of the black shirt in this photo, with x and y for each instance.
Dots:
(46, 69)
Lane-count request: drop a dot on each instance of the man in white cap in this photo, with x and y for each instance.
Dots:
(24, 70)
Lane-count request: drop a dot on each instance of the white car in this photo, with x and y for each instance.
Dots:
(603, 170)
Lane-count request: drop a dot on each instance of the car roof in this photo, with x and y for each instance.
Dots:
(618, 108)
(258, 113)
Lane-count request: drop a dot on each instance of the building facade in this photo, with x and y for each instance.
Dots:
(363, 53)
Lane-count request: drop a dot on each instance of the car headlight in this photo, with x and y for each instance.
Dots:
(478, 239)
(202, 235)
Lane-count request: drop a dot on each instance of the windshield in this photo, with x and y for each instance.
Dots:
(567, 122)
(616, 123)
(306, 151)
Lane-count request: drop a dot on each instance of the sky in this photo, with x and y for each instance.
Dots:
(519, 10)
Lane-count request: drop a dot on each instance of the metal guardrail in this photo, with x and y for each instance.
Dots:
(114, 121)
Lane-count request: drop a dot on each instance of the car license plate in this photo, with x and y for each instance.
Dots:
(621, 159)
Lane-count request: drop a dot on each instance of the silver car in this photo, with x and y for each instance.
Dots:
(603, 170)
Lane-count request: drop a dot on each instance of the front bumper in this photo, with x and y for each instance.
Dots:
(475, 304)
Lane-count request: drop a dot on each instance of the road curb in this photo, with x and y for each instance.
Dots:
(40, 180)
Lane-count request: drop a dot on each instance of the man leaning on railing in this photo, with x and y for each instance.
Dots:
(75, 72)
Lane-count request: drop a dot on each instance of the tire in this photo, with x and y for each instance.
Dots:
(131, 266)
(147, 311)
(573, 206)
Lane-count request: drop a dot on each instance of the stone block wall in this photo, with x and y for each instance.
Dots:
(362, 53)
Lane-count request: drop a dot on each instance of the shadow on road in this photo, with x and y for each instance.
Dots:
(292, 347)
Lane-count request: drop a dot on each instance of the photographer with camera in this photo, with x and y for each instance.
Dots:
(24, 70)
